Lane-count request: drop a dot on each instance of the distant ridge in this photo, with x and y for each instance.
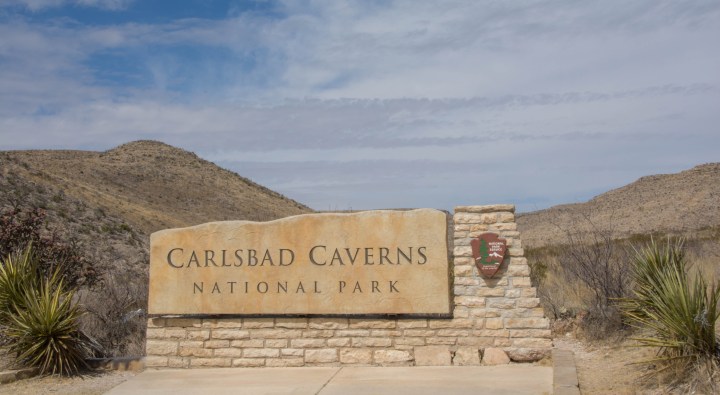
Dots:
(682, 202)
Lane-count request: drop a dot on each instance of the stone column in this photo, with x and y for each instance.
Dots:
(507, 304)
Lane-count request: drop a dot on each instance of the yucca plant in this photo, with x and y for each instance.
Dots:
(45, 333)
(39, 317)
(679, 311)
(18, 272)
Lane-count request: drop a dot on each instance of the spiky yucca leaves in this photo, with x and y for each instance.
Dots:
(18, 272)
(45, 333)
(38, 320)
(679, 311)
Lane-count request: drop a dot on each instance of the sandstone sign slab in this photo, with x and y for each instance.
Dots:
(373, 262)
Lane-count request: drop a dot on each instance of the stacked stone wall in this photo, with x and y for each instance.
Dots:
(503, 312)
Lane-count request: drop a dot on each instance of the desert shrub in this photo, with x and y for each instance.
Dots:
(39, 320)
(20, 227)
(594, 257)
(679, 311)
(116, 318)
(558, 294)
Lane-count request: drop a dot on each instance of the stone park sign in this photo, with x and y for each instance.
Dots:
(364, 289)
(374, 262)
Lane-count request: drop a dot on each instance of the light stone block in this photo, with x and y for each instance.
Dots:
(465, 356)
(152, 361)
(178, 362)
(308, 343)
(485, 208)
(223, 323)
(197, 352)
(260, 352)
(313, 333)
(292, 352)
(321, 355)
(276, 343)
(254, 343)
(494, 323)
(257, 323)
(441, 340)
(372, 324)
(229, 334)
(198, 335)
(432, 356)
(217, 344)
(275, 333)
(391, 356)
(531, 343)
(228, 352)
(528, 354)
(371, 342)
(453, 323)
(247, 362)
(328, 323)
(284, 362)
(338, 342)
(183, 322)
(161, 347)
(495, 356)
(356, 356)
(291, 323)
(210, 362)
(418, 333)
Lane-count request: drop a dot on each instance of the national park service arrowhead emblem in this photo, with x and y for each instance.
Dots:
(488, 249)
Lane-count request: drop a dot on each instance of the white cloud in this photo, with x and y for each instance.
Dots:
(39, 5)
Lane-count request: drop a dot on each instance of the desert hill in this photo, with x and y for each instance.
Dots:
(152, 185)
(679, 203)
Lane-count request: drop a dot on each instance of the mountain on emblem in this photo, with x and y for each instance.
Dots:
(488, 249)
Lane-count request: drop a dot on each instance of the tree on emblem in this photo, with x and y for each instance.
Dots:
(484, 253)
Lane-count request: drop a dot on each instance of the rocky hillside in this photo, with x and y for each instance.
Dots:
(683, 202)
(151, 185)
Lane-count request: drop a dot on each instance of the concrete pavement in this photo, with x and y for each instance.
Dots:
(450, 380)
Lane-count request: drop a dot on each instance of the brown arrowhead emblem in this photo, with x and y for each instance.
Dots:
(488, 249)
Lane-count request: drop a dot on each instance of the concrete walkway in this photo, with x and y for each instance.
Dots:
(507, 379)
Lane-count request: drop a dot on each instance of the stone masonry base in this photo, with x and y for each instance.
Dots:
(502, 312)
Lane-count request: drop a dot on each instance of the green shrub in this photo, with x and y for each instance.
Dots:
(39, 317)
(679, 311)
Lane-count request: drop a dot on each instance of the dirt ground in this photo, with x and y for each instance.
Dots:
(609, 367)
(94, 384)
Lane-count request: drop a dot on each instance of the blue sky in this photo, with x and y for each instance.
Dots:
(376, 104)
